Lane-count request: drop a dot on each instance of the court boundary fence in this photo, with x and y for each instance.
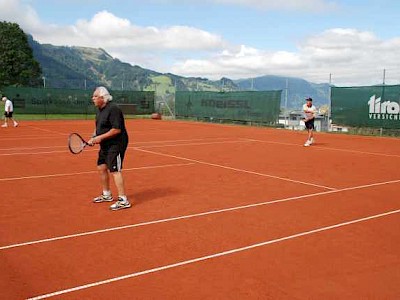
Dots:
(39, 101)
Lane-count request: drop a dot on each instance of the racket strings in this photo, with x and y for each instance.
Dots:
(76, 144)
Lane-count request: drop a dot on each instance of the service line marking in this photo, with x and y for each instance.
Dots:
(129, 147)
(48, 130)
(234, 169)
(132, 143)
(317, 147)
(91, 172)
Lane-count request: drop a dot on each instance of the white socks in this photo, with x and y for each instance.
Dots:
(108, 193)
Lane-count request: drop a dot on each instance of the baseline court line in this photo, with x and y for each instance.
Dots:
(215, 255)
(90, 172)
(316, 147)
(234, 169)
(184, 217)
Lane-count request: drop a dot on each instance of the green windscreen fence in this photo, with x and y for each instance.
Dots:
(369, 106)
(63, 101)
(237, 106)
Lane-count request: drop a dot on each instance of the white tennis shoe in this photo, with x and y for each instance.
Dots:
(308, 143)
(103, 198)
(120, 204)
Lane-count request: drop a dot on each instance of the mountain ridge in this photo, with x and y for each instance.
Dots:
(85, 68)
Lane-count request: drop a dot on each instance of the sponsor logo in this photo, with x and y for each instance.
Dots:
(387, 110)
(225, 103)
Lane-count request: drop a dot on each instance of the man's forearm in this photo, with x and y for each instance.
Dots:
(109, 134)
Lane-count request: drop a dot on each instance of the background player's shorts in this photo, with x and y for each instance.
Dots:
(309, 124)
(112, 157)
(8, 114)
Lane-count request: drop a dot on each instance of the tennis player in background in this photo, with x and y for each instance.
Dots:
(8, 112)
(112, 136)
(310, 112)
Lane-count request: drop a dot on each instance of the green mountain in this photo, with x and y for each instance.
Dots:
(86, 68)
(80, 67)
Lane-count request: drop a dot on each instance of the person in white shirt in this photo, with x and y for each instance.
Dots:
(8, 112)
(310, 112)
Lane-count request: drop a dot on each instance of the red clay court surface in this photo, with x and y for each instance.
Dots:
(220, 212)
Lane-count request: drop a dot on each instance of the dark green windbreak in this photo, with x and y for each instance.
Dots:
(242, 106)
(368, 106)
(64, 101)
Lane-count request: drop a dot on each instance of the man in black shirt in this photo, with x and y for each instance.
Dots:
(112, 136)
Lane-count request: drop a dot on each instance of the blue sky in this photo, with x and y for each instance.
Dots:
(352, 40)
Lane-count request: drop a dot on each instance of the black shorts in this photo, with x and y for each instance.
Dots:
(309, 124)
(8, 114)
(112, 157)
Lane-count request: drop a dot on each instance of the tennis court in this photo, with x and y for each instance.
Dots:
(220, 212)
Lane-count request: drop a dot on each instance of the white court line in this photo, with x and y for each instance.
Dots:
(47, 130)
(317, 147)
(194, 144)
(90, 172)
(31, 148)
(215, 255)
(22, 136)
(34, 138)
(43, 152)
(132, 143)
(135, 143)
(212, 212)
(234, 169)
(186, 140)
(96, 149)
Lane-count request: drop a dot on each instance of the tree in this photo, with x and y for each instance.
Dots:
(17, 65)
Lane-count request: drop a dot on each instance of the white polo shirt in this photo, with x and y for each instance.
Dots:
(310, 112)
(8, 106)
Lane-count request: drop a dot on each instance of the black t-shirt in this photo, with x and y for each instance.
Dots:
(110, 117)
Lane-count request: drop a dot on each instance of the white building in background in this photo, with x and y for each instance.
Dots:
(337, 128)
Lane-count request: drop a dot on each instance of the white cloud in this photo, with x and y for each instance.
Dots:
(23, 14)
(351, 53)
(126, 41)
(108, 31)
(297, 5)
(144, 46)
(351, 56)
(266, 5)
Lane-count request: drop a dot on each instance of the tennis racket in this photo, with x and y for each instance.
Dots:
(76, 143)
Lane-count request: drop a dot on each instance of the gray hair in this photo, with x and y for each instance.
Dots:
(103, 92)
